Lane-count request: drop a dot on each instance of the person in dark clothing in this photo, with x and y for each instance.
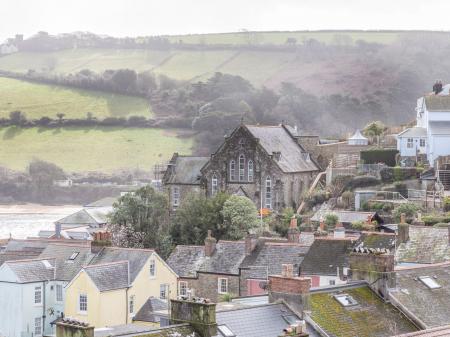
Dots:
(437, 87)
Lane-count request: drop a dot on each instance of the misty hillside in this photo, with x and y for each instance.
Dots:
(382, 71)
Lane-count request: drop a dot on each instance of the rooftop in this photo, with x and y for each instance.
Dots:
(152, 311)
(413, 132)
(186, 170)
(437, 102)
(28, 271)
(344, 216)
(109, 276)
(376, 240)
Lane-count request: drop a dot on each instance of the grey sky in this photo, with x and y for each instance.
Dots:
(150, 17)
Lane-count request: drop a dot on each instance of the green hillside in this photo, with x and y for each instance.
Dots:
(39, 100)
(104, 149)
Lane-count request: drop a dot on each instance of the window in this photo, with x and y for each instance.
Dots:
(162, 291)
(429, 282)
(73, 256)
(131, 305)
(332, 282)
(175, 196)
(422, 143)
(250, 171)
(38, 326)
(268, 193)
(82, 303)
(345, 300)
(59, 293)
(241, 167)
(152, 268)
(232, 170)
(222, 286)
(214, 184)
(241, 142)
(182, 288)
(410, 143)
(37, 295)
(225, 331)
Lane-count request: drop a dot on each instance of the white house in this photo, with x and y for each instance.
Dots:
(431, 135)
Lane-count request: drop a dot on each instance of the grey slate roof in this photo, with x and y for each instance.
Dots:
(109, 276)
(136, 258)
(272, 255)
(431, 306)
(413, 132)
(186, 261)
(186, 170)
(152, 310)
(258, 321)
(131, 330)
(32, 270)
(425, 245)
(443, 331)
(277, 139)
(30, 246)
(325, 255)
(376, 240)
(80, 218)
(66, 269)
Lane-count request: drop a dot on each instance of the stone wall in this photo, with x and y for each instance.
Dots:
(206, 285)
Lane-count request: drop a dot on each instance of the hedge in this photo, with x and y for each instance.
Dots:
(376, 156)
(390, 174)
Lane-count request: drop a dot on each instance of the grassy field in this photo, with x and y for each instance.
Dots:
(279, 38)
(100, 149)
(38, 100)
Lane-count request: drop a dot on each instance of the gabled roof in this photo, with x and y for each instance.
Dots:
(425, 245)
(443, 331)
(135, 257)
(152, 310)
(28, 271)
(272, 255)
(186, 261)
(82, 217)
(67, 268)
(109, 276)
(370, 317)
(430, 306)
(186, 170)
(413, 132)
(325, 256)
(105, 202)
(277, 139)
(437, 103)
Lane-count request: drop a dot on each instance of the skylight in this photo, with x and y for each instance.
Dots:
(225, 331)
(73, 256)
(345, 300)
(429, 282)
(291, 319)
(47, 264)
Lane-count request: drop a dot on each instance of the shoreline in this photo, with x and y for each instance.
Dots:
(38, 209)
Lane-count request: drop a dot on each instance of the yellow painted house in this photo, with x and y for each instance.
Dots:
(116, 284)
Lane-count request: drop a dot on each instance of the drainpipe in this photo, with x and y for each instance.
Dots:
(43, 307)
(127, 309)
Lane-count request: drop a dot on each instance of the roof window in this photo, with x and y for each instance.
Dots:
(73, 256)
(225, 331)
(345, 300)
(429, 282)
(47, 264)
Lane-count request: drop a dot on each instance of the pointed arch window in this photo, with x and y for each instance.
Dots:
(214, 184)
(250, 171)
(232, 170)
(268, 202)
(241, 167)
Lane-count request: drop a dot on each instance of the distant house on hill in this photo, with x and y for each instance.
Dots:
(265, 163)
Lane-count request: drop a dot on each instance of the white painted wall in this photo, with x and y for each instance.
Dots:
(405, 151)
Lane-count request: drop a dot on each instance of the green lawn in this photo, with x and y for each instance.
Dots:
(103, 149)
(38, 100)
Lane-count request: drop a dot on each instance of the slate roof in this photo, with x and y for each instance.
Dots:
(28, 271)
(437, 103)
(413, 132)
(257, 321)
(66, 269)
(272, 255)
(109, 276)
(277, 139)
(443, 331)
(136, 258)
(370, 317)
(30, 246)
(325, 255)
(80, 218)
(376, 240)
(131, 330)
(186, 261)
(19, 255)
(152, 310)
(186, 170)
(430, 306)
(425, 245)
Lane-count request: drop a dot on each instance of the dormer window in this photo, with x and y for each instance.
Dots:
(345, 300)
(429, 282)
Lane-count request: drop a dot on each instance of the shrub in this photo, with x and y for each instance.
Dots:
(388, 207)
(362, 181)
(447, 204)
(331, 220)
(363, 226)
(347, 198)
(409, 210)
(376, 156)
(431, 220)
(391, 174)
(441, 225)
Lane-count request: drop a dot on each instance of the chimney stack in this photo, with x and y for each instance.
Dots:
(198, 313)
(210, 244)
(293, 232)
(251, 241)
(294, 290)
(68, 327)
(403, 229)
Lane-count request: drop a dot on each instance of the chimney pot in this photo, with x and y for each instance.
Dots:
(293, 231)
(210, 244)
(403, 218)
(251, 241)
